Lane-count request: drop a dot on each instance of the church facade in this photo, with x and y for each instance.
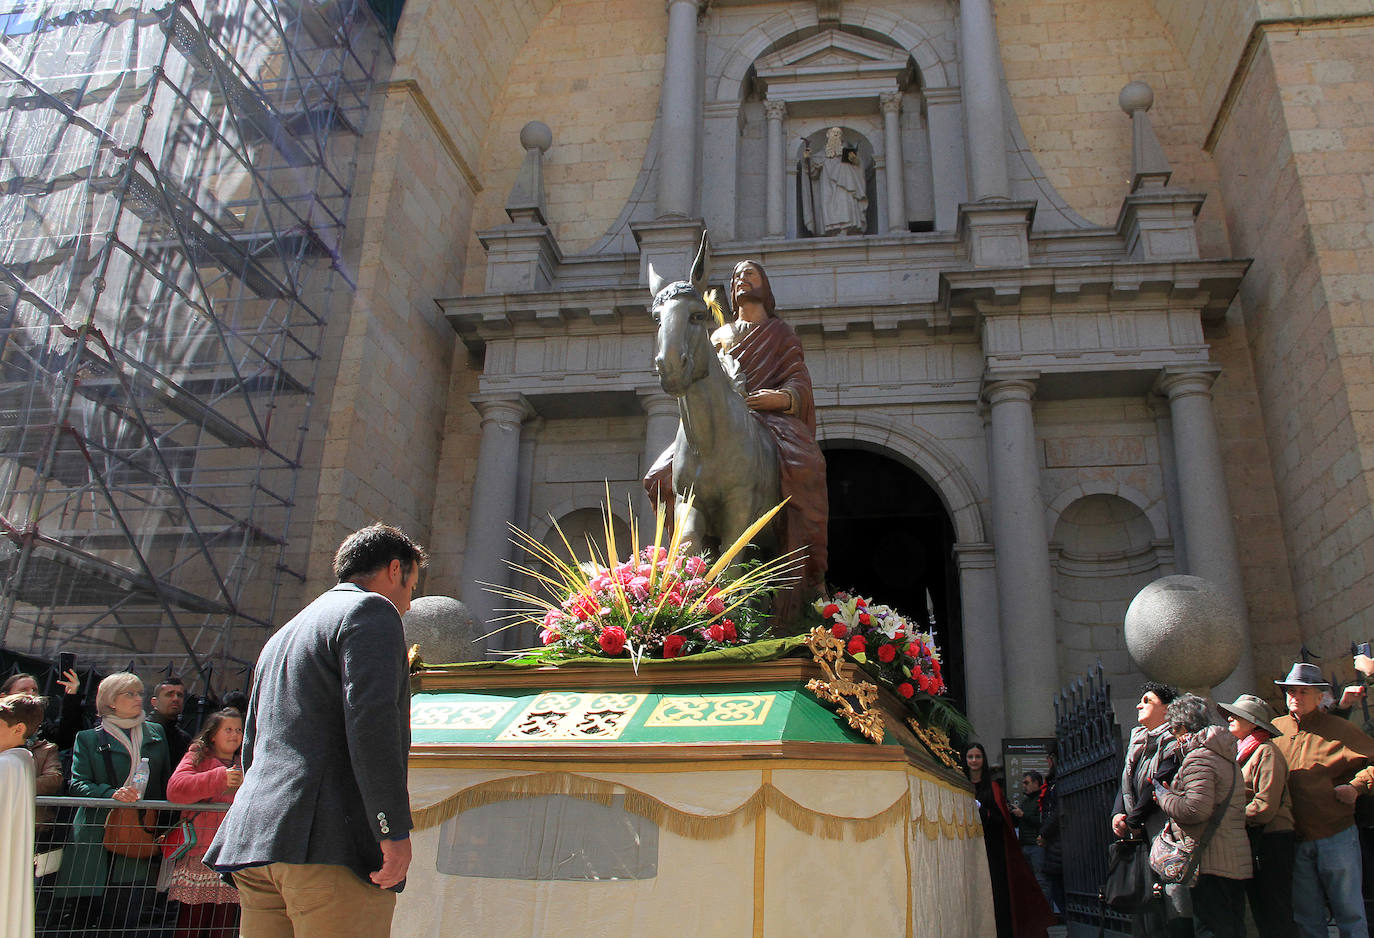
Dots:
(1092, 312)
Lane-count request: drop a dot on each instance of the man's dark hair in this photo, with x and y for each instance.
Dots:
(166, 681)
(770, 305)
(1164, 692)
(373, 548)
(1034, 776)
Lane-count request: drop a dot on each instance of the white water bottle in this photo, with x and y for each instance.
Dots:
(141, 777)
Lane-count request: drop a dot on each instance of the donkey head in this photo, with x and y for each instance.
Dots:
(682, 351)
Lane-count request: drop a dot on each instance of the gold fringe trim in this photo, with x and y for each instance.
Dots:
(667, 817)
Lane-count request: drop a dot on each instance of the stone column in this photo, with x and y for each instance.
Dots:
(1024, 593)
(983, 665)
(777, 170)
(493, 507)
(947, 164)
(1213, 553)
(660, 429)
(677, 151)
(891, 104)
(984, 123)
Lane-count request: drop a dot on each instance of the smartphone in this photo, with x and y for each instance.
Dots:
(65, 662)
(1361, 649)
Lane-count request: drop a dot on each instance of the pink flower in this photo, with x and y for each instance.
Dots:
(612, 640)
(549, 636)
(695, 566)
(905, 689)
(886, 653)
(856, 645)
(839, 630)
(714, 604)
(638, 587)
(830, 610)
(672, 646)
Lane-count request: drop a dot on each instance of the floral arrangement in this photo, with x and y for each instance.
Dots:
(889, 645)
(664, 601)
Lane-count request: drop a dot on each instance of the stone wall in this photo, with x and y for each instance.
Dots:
(1305, 97)
(591, 70)
(388, 361)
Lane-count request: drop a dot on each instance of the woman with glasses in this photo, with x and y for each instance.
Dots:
(104, 763)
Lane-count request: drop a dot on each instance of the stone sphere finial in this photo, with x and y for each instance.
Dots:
(1184, 631)
(444, 629)
(536, 135)
(1136, 96)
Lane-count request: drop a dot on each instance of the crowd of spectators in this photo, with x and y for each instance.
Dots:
(1266, 802)
(128, 751)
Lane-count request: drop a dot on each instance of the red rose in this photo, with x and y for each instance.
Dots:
(549, 636)
(672, 646)
(905, 689)
(856, 645)
(839, 630)
(830, 610)
(728, 629)
(898, 635)
(716, 633)
(886, 653)
(860, 603)
(612, 640)
(865, 619)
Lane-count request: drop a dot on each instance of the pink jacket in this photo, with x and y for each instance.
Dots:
(200, 782)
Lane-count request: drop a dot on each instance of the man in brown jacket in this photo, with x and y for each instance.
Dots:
(1324, 754)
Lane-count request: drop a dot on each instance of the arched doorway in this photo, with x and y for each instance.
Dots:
(892, 539)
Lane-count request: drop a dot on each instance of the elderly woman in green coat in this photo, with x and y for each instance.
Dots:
(104, 761)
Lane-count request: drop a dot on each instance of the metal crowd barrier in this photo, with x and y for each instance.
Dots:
(85, 884)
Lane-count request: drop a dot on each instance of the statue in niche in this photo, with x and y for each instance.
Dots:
(835, 187)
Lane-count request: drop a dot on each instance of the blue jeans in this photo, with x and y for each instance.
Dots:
(1327, 873)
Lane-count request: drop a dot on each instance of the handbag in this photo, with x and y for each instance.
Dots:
(1130, 882)
(1175, 856)
(181, 839)
(130, 832)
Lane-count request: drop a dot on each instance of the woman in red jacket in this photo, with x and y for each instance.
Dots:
(208, 772)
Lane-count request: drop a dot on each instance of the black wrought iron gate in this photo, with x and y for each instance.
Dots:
(1089, 771)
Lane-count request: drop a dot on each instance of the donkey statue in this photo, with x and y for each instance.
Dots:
(722, 455)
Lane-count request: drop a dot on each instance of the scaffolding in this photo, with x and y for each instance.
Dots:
(174, 183)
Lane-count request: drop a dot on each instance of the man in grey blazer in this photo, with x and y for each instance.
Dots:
(317, 839)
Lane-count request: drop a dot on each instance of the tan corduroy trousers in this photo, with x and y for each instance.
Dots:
(311, 900)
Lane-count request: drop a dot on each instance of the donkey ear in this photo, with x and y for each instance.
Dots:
(656, 283)
(701, 267)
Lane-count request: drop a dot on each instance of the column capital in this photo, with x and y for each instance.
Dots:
(700, 5)
(1013, 386)
(890, 102)
(975, 556)
(775, 110)
(504, 409)
(1176, 383)
(656, 402)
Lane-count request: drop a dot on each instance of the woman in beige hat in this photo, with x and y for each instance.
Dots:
(1268, 815)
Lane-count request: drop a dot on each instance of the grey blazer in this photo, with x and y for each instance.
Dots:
(325, 741)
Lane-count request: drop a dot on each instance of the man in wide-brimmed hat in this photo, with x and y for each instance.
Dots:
(1324, 753)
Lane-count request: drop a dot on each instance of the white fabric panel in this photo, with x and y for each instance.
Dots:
(856, 794)
(702, 889)
(701, 793)
(833, 887)
(16, 841)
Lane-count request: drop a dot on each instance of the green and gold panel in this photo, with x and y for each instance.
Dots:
(707, 714)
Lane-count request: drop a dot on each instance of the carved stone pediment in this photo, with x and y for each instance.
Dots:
(830, 65)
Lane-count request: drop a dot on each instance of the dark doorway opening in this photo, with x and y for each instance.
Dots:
(892, 540)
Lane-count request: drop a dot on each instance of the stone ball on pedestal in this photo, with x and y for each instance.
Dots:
(536, 135)
(1136, 96)
(1184, 631)
(444, 629)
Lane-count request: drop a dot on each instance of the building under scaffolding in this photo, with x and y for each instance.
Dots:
(174, 183)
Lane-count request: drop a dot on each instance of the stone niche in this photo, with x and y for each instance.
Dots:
(872, 91)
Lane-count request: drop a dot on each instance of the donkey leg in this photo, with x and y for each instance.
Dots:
(692, 523)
